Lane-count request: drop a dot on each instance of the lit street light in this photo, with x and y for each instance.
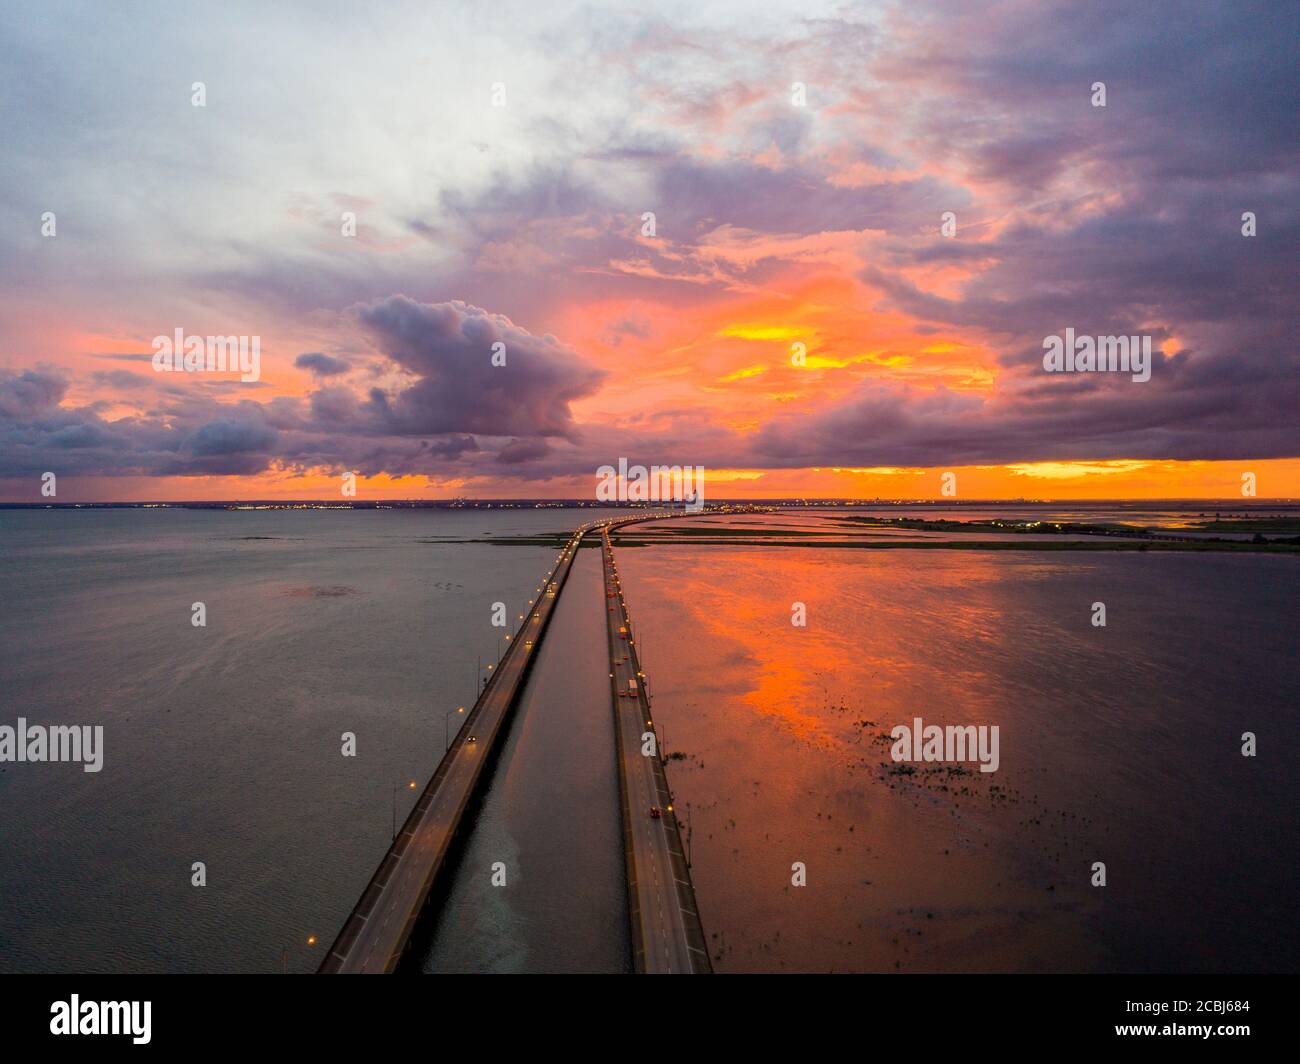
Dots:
(410, 785)
(446, 729)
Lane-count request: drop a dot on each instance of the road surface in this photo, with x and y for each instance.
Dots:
(379, 928)
(667, 936)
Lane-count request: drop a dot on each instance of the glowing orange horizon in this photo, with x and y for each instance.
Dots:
(1134, 479)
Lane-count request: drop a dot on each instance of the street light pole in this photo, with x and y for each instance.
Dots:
(412, 786)
(446, 728)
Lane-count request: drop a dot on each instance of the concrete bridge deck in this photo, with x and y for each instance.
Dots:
(666, 932)
(667, 937)
(377, 932)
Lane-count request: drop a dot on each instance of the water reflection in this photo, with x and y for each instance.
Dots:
(1118, 744)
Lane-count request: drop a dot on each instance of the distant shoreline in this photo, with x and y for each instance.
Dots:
(1206, 506)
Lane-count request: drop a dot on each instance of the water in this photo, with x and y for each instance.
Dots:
(223, 744)
(1119, 744)
(550, 816)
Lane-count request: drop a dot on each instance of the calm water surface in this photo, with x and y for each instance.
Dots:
(223, 744)
(1119, 744)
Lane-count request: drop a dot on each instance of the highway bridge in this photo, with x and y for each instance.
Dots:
(667, 937)
(666, 932)
(379, 928)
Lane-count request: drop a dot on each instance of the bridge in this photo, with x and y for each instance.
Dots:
(667, 937)
(376, 933)
(666, 932)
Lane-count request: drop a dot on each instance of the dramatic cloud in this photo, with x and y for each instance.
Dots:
(321, 365)
(778, 220)
(29, 394)
(475, 372)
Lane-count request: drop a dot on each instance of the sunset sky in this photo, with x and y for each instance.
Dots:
(777, 222)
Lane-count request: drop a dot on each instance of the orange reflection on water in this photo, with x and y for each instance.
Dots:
(782, 737)
(862, 643)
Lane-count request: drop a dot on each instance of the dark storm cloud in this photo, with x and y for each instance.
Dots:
(449, 348)
(1195, 91)
(322, 365)
(517, 451)
(1129, 222)
(1067, 420)
(231, 437)
(79, 437)
(1125, 219)
(30, 393)
(444, 406)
